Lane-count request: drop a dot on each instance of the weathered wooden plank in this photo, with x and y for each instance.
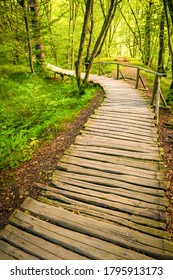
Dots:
(121, 127)
(130, 98)
(133, 116)
(121, 132)
(124, 118)
(81, 194)
(15, 252)
(99, 141)
(39, 247)
(132, 123)
(119, 177)
(111, 167)
(114, 205)
(128, 110)
(88, 246)
(108, 215)
(116, 135)
(120, 217)
(122, 161)
(4, 256)
(108, 182)
(137, 111)
(62, 180)
(116, 152)
(128, 106)
(152, 246)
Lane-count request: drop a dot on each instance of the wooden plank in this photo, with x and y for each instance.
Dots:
(128, 110)
(107, 190)
(107, 197)
(133, 116)
(118, 216)
(4, 256)
(120, 178)
(122, 127)
(152, 246)
(136, 163)
(117, 135)
(15, 252)
(36, 246)
(136, 111)
(123, 119)
(114, 205)
(88, 246)
(111, 167)
(118, 116)
(108, 182)
(127, 217)
(108, 215)
(116, 152)
(123, 131)
(127, 105)
(99, 141)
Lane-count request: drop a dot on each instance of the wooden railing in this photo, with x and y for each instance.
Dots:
(157, 93)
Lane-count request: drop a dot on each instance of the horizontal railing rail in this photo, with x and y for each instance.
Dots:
(157, 93)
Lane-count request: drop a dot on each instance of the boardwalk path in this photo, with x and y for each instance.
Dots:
(107, 195)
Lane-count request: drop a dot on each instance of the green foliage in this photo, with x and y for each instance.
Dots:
(33, 110)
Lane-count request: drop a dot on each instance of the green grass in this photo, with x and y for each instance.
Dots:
(33, 109)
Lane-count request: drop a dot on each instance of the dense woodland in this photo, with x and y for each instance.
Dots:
(68, 33)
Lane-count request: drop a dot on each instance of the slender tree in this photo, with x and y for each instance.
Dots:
(169, 39)
(160, 67)
(78, 63)
(23, 4)
(169, 3)
(36, 27)
(102, 36)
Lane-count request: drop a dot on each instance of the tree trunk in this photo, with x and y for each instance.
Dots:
(78, 63)
(169, 41)
(22, 3)
(160, 67)
(147, 45)
(169, 3)
(101, 38)
(40, 56)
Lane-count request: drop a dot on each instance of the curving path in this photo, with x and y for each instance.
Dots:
(107, 198)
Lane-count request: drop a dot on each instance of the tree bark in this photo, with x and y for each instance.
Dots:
(40, 56)
(22, 3)
(102, 36)
(147, 44)
(78, 63)
(160, 67)
(169, 41)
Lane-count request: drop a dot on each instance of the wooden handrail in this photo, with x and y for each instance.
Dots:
(157, 94)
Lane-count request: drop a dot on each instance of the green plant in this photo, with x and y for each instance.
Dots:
(33, 110)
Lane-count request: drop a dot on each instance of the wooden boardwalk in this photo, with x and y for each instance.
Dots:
(107, 198)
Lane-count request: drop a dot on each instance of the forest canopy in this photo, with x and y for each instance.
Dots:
(52, 30)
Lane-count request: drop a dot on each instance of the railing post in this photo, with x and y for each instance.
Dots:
(118, 68)
(137, 77)
(154, 89)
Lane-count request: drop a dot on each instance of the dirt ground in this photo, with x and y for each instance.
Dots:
(16, 185)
